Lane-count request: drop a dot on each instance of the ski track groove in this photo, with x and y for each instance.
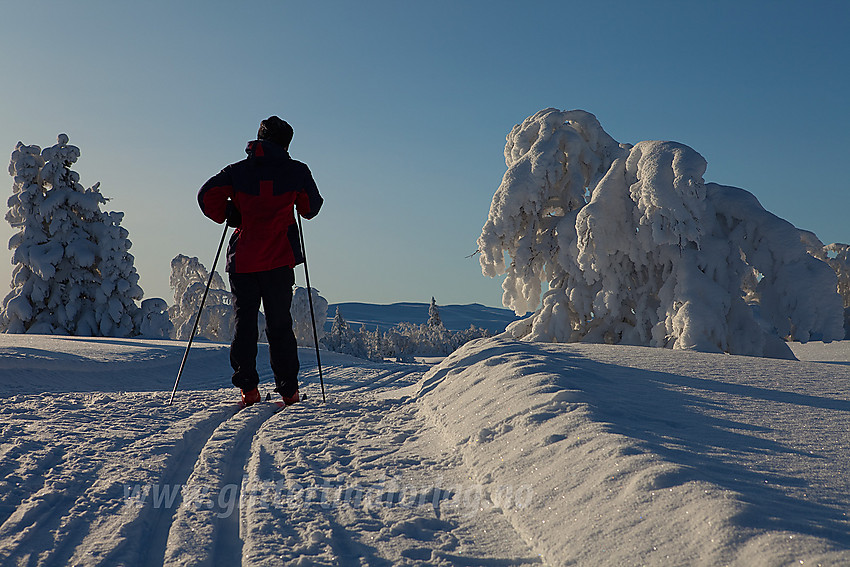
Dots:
(140, 529)
(79, 482)
(345, 445)
(158, 522)
(365, 435)
(211, 530)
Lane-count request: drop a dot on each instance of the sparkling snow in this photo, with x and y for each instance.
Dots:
(505, 453)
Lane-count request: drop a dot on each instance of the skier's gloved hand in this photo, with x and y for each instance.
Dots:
(234, 217)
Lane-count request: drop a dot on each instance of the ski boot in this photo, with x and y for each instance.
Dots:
(293, 399)
(250, 397)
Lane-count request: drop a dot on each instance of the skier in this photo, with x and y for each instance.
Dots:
(258, 196)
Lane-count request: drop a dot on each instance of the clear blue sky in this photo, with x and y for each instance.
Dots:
(401, 110)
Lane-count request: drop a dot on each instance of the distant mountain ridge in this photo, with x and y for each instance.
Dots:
(454, 317)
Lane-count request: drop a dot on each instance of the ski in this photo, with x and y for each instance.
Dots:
(240, 405)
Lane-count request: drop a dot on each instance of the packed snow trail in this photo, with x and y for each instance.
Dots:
(97, 470)
(363, 479)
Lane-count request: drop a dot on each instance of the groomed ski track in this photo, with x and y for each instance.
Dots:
(122, 479)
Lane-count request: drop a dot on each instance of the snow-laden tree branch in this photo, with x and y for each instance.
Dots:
(636, 248)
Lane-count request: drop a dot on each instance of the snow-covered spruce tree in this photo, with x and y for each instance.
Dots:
(189, 280)
(73, 274)
(434, 338)
(434, 319)
(377, 347)
(637, 249)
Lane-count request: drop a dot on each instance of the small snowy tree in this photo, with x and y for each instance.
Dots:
(118, 289)
(342, 338)
(400, 343)
(73, 272)
(153, 320)
(460, 338)
(189, 280)
(434, 319)
(302, 321)
(376, 344)
(434, 338)
(637, 249)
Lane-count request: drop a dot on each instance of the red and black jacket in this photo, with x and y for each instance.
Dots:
(265, 188)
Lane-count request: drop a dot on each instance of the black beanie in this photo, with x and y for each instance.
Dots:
(275, 130)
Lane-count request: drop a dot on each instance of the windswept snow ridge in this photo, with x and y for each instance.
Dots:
(639, 456)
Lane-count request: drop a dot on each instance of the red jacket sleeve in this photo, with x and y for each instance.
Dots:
(308, 201)
(214, 194)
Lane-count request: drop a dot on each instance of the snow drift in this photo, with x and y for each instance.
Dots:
(641, 456)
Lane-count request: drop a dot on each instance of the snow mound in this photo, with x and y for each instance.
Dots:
(641, 456)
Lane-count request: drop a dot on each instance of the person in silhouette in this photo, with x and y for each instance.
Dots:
(260, 196)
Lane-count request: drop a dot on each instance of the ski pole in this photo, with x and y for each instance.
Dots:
(310, 299)
(198, 317)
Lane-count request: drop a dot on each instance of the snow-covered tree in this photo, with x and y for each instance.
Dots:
(302, 321)
(73, 272)
(636, 248)
(342, 338)
(189, 280)
(375, 343)
(33, 256)
(462, 337)
(837, 256)
(402, 342)
(434, 319)
(434, 338)
(118, 289)
(401, 345)
(153, 320)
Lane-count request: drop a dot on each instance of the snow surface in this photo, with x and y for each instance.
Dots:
(505, 453)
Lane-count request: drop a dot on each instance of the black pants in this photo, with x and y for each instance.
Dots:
(274, 288)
